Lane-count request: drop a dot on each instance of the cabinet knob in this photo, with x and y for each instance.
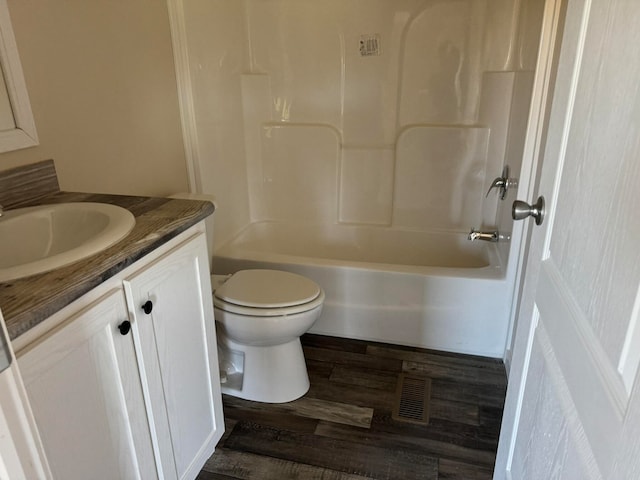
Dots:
(124, 327)
(147, 307)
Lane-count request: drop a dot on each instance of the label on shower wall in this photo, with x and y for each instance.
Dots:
(369, 45)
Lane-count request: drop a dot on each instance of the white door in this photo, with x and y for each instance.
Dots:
(174, 325)
(573, 403)
(84, 389)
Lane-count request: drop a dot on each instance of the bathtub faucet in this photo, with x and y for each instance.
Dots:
(486, 236)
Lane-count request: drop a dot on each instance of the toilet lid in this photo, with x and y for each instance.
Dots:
(267, 289)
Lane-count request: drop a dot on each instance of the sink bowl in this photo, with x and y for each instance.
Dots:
(39, 239)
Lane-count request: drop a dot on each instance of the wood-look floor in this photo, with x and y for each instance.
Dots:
(343, 429)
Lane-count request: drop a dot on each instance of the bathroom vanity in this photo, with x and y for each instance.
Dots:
(118, 352)
(127, 383)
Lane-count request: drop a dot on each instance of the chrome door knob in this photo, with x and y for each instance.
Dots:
(522, 210)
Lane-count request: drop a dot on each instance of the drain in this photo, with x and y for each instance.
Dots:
(412, 399)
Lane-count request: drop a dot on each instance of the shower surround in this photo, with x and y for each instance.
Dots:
(394, 113)
(384, 116)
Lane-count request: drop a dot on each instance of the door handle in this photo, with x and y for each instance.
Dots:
(124, 327)
(522, 210)
(147, 307)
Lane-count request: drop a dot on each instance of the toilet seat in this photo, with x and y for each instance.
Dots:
(267, 293)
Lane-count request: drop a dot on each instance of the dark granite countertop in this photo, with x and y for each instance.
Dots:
(27, 302)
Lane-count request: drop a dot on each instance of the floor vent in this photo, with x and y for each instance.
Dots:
(412, 399)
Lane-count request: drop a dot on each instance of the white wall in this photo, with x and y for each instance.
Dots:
(102, 86)
(294, 124)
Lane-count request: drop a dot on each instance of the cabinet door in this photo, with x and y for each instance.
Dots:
(85, 392)
(178, 356)
(21, 453)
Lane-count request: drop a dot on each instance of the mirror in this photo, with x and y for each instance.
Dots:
(17, 128)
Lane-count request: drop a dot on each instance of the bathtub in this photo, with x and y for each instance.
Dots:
(429, 290)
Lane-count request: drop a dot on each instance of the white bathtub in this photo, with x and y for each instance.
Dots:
(431, 290)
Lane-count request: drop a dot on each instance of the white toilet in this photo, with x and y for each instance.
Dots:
(260, 316)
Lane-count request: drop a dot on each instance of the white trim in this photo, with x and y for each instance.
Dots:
(24, 135)
(527, 359)
(630, 356)
(21, 451)
(185, 93)
(520, 339)
(531, 152)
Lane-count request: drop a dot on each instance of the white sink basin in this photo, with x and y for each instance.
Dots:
(39, 239)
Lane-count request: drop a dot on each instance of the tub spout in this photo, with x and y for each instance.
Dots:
(486, 236)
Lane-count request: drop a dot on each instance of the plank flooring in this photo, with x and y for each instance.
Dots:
(343, 428)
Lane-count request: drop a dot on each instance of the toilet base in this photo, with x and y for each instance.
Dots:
(270, 374)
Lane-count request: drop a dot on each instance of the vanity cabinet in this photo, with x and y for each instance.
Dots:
(127, 385)
(85, 393)
(172, 309)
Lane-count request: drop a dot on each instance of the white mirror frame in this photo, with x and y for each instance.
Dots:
(24, 135)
